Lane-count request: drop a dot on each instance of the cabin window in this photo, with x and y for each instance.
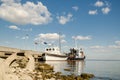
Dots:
(53, 49)
(50, 49)
(46, 49)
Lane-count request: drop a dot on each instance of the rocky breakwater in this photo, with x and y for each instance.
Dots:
(25, 68)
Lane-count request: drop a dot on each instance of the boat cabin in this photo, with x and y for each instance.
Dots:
(52, 50)
(76, 54)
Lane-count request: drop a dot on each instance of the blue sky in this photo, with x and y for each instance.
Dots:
(93, 23)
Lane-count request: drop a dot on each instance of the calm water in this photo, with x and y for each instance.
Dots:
(102, 69)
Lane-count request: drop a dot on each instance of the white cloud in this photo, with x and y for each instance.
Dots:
(27, 13)
(117, 42)
(9, 1)
(96, 47)
(92, 12)
(49, 37)
(103, 6)
(63, 41)
(105, 10)
(106, 49)
(114, 46)
(64, 19)
(14, 27)
(99, 49)
(75, 8)
(81, 37)
(99, 4)
(52, 36)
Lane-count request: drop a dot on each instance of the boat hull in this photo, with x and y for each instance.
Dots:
(82, 58)
(53, 57)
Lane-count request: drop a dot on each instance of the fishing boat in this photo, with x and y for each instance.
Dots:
(53, 54)
(76, 54)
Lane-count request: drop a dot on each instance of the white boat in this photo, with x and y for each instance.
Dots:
(76, 54)
(53, 53)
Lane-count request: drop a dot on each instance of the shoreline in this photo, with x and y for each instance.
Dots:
(16, 67)
(19, 69)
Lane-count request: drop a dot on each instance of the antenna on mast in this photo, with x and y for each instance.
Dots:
(59, 41)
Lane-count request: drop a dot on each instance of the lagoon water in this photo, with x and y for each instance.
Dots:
(102, 69)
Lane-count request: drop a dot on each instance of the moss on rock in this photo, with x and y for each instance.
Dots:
(86, 75)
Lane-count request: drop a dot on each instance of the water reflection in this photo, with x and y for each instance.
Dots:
(75, 67)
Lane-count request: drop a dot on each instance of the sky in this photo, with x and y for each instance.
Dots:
(92, 24)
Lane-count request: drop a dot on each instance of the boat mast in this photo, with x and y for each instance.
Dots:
(75, 41)
(59, 41)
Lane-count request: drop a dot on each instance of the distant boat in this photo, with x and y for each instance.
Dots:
(53, 53)
(76, 54)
